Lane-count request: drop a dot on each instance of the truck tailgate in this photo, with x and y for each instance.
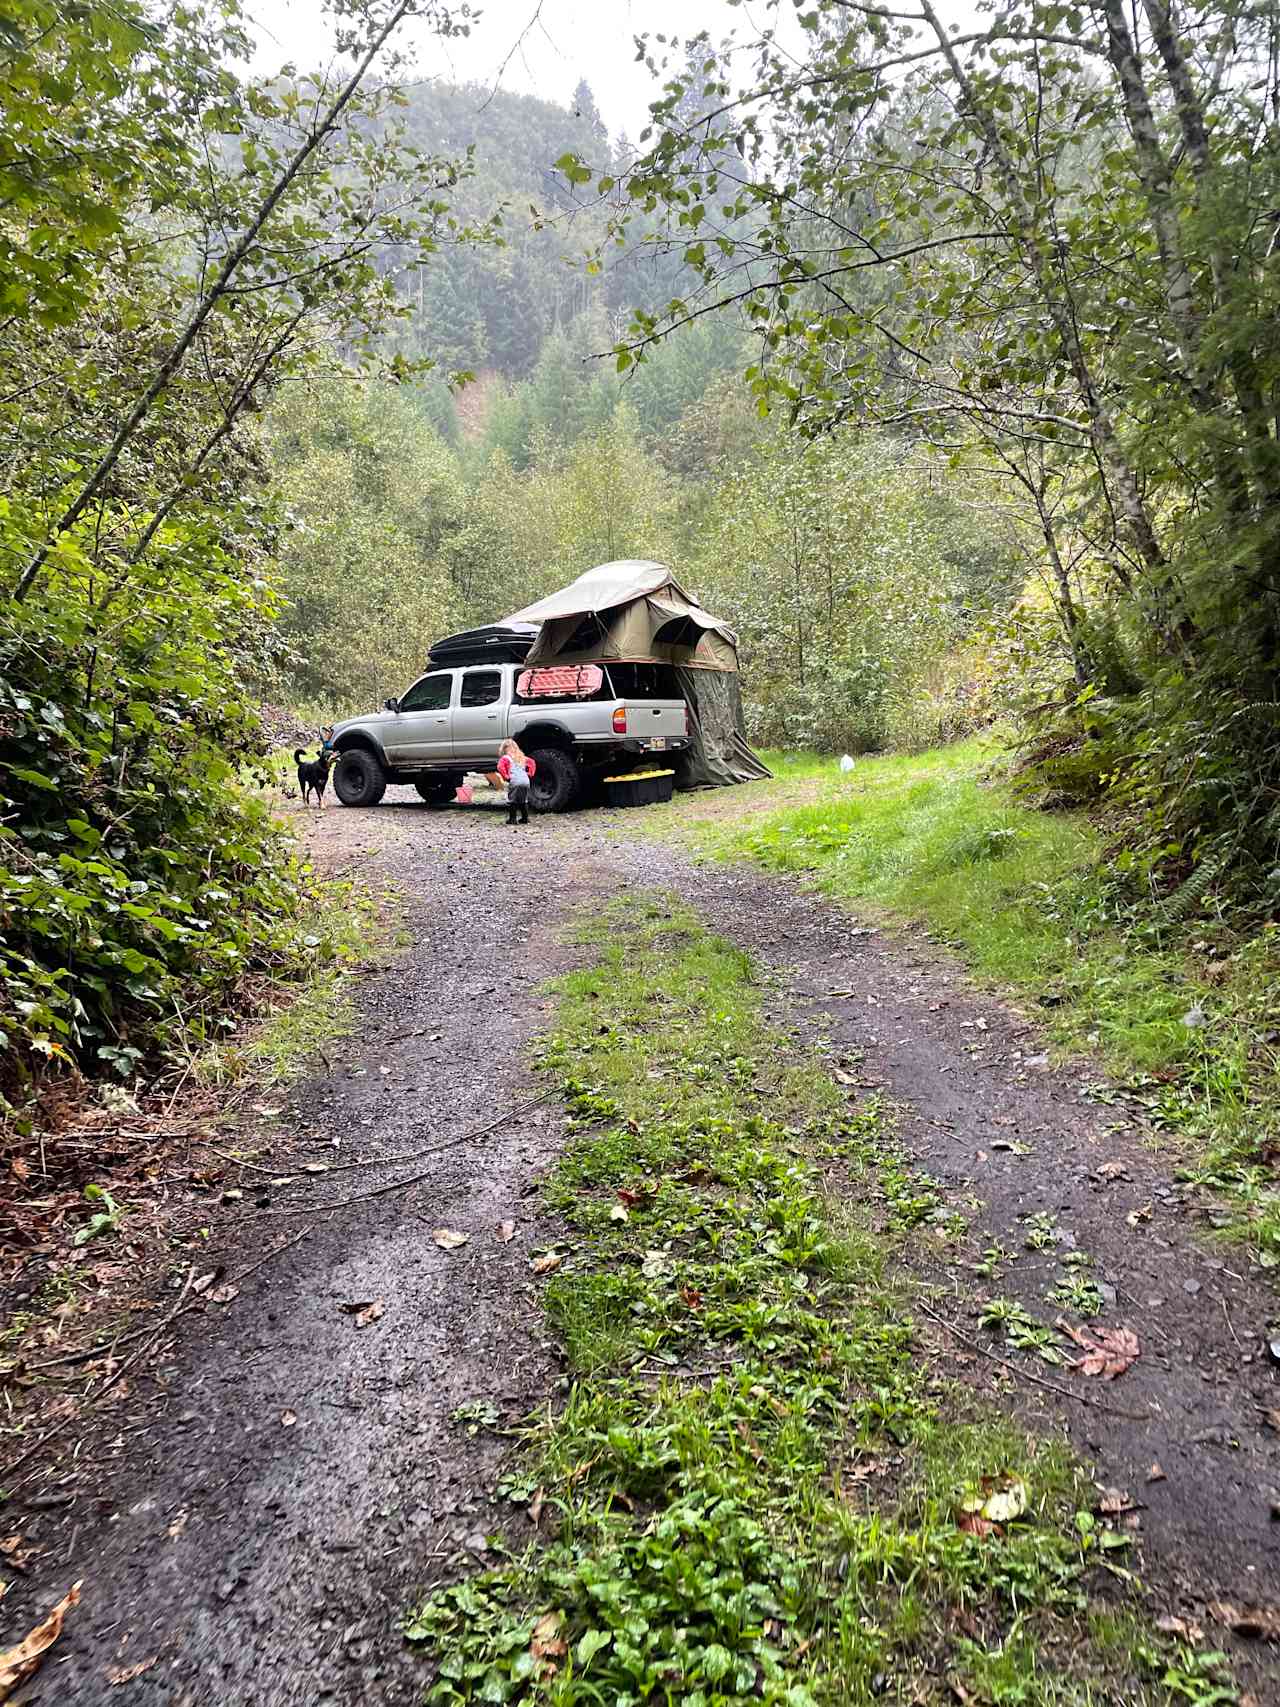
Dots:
(652, 719)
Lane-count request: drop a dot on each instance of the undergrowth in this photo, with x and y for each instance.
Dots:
(1184, 1010)
(343, 928)
(759, 1488)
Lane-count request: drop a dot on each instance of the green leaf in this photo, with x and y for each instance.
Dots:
(589, 1645)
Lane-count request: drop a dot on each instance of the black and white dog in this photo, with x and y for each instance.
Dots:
(313, 775)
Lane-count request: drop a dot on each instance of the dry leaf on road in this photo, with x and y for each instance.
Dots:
(448, 1238)
(222, 1294)
(18, 1664)
(546, 1262)
(506, 1231)
(1108, 1352)
(1262, 1622)
(370, 1313)
(288, 1419)
(128, 1673)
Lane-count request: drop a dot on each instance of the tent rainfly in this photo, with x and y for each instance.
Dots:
(635, 612)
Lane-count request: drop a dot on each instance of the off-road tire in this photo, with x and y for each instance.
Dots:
(437, 790)
(359, 779)
(556, 781)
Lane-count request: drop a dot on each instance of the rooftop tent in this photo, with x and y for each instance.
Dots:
(635, 612)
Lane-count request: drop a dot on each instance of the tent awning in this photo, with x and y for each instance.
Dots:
(634, 610)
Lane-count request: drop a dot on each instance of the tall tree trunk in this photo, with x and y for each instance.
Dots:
(1102, 429)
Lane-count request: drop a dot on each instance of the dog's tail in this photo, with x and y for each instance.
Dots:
(299, 755)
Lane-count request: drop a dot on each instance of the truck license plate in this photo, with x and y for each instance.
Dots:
(658, 744)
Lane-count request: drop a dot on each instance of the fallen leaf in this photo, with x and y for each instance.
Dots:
(634, 1199)
(973, 1523)
(535, 1508)
(1115, 1502)
(690, 1297)
(314, 1168)
(268, 1113)
(1271, 1418)
(288, 1418)
(1171, 1626)
(843, 1078)
(178, 1525)
(17, 1555)
(1262, 1623)
(130, 1672)
(546, 1644)
(205, 1281)
(506, 1232)
(19, 1663)
(370, 1313)
(1113, 1170)
(448, 1239)
(1108, 1352)
(1156, 1474)
(353, 1306)
(222, 1294)
(619, 1213)
(19, 1169)
(546, 1262)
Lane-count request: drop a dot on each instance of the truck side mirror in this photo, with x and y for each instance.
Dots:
(391, 704)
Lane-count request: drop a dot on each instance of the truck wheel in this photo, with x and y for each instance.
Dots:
(555, 782)
(436, 790)
(359, 779)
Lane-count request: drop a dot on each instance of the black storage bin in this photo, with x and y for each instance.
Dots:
(644, 788)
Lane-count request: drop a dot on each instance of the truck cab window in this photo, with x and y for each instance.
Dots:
(481, 687)
(430, 693)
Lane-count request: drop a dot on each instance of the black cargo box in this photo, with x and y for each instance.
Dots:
(498, 643)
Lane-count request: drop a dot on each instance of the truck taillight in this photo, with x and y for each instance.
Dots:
(619, 719)
(686, 717)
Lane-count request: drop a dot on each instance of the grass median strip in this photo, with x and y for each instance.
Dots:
(759, 1487)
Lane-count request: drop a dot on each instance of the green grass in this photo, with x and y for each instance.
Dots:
(756, 1489)
(1021, 895)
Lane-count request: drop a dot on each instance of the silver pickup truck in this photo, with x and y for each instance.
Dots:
(452, 721)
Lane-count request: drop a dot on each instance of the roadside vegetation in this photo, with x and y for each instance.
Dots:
(762, 1484)
(1183, 1010)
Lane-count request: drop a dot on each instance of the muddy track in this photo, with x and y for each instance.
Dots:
(246, 1558)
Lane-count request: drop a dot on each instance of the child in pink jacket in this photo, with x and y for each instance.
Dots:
(517, 771)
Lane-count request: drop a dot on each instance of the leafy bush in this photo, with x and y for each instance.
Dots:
(139, 885)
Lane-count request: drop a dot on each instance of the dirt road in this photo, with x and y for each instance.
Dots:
(295, 1478)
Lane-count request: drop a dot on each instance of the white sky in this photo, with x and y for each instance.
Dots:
(571, 39)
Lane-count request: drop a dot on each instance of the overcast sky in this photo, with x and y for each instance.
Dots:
(571, 39)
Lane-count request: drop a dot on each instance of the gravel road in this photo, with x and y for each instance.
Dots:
(294, 1478)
